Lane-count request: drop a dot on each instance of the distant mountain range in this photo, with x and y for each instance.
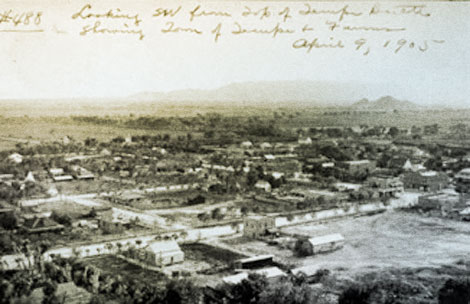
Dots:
(270, 94)
(385, 103)
(305, 93)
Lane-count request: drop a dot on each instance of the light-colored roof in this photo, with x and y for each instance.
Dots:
(270, 272)
(236, 278)
(464, 173)
(265, 144)
(256, 217)
(443, 197)
(16, 157)
(62, 177)
(348, 186)
(256, 258)
(308, 270)
(428, 173)
(262, 183)
(86, 176)
(7, 176)
(30, 177)
(56, 171)
(163, 246)
(465, 211)
(325, 239)
(357, 162)
(105, 152)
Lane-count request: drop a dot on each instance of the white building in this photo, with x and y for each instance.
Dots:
(263, 185)
(265, 146)
(305, 141)
(16, 158)
(246, 145)
(161, 253)
(326, 243)
(269, 272)
(319, 244)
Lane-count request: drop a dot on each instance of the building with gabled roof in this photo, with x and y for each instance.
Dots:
(40, 225)
(426, 180)
(363, 166)
(257, 225)
(30, 177)
(304, 141)
(82, 173)
(319, 244)
(15, 158)
(246, 144)
(263, 185)
(160, 253)
(265, 145)
(269, 272)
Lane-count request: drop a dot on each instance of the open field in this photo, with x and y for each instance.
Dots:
(397, 239)
(16, 129)
(112, 265)
(6, 145)
(33, 130)
(213, 255)
(343, 117)
(391, 239)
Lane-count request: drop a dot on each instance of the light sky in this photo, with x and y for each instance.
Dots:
(59, 63)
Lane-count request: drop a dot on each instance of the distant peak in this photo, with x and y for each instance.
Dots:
(386, 103)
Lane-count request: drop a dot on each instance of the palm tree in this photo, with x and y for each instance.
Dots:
(119, 245)
(184, 234)
(109, 247)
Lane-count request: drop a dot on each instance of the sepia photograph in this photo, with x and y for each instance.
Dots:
(226, 152)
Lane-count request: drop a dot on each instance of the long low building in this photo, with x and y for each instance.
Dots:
(158, 253)
(431, 181)
(254, 262)
(269, 272)
(319, 244)
(440, 201)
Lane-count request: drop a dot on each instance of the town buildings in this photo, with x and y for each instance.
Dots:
(256, 226)
(359, 167)
(428, 181)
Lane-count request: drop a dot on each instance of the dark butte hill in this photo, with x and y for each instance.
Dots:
(386, 103)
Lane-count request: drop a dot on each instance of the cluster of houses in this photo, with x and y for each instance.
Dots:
(278, 161)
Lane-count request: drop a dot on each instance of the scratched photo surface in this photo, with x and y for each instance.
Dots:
(234, 152)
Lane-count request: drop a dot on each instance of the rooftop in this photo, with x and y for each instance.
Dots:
(256, 258)
(269, 272)
(164, 246)
(464, 173)
(428, 173)
(442, 196)
(325, 239)
(357, 162)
